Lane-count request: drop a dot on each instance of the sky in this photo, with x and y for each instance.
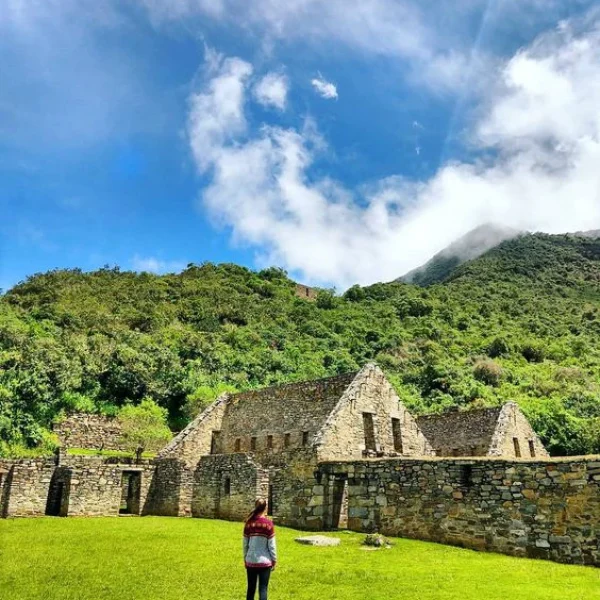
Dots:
(346, 141)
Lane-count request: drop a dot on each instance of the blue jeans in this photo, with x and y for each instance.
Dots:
(262, 576)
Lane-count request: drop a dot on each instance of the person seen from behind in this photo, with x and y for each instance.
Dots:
(260, 550)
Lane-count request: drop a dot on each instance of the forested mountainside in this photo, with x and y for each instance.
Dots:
(470, 246)
(522, 323)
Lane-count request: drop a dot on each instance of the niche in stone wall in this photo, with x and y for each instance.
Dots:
(466, 476)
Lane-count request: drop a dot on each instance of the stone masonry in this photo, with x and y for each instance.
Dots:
(89, 431)
(342, 452)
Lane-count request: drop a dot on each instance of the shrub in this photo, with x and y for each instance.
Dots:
(498, 347)
(488, 372)
(533, 352)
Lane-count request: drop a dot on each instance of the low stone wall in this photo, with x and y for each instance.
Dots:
(79, 486)
(95, 485)
(544, 509)
(226, 486)
(25, 486)
(170, 492)
(89, 431)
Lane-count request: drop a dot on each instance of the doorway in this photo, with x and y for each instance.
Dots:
(57, 501)
(339, 502)
(131, 488)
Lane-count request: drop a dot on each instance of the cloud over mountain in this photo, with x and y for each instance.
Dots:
(537, 147)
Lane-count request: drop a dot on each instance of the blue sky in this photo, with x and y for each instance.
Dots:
(344, 141)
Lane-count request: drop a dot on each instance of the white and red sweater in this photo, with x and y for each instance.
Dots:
(260, 549)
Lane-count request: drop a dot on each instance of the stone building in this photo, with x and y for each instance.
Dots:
(500, 431)
(348, 416)
(305, 292)
(342, 452)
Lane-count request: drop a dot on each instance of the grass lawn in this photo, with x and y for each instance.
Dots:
(154, 558)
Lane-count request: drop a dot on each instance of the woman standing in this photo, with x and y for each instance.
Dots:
(260, 551)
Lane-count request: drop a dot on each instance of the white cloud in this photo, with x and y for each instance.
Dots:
(433, 43)
(151, 264)
(540, 134)
(437, 43)
(324, 88)
(272, 90)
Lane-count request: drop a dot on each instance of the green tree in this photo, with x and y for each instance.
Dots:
(144, 427)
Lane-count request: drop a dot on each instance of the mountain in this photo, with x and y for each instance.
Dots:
(594, 233)
(470, 246)
(520, 322)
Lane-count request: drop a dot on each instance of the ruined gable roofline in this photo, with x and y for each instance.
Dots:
(191, 427)
(496, 442)
(283, 386)
(495, 448)
(449, 415)
(228, 397)
(348, 394)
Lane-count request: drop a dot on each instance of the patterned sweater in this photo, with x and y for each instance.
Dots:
(260, 549)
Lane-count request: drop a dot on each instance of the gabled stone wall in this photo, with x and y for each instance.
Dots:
(461, 433)
(514, 431)
(343, 435)
(196, 439)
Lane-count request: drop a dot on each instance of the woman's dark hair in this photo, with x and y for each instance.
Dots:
(260, 506)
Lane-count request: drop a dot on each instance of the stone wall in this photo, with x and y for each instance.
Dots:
(280, 418)
(79, 486)
(96, 485)
(512, 425)
(343, 435)
(170, 492)
(497, 431)
(196, 439)
(461, 433)
(544, 509)
(305, 292)
(226, 486)
(25, 486)
(89, 431)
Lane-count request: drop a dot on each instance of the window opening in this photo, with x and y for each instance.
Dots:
(214, 442)
(517, 447)
(369, 429)
(397, 433)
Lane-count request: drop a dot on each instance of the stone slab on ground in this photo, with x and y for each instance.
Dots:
(318, 540)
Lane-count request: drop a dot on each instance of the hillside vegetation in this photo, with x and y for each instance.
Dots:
(522, 323)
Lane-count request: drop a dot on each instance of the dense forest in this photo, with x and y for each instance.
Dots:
(522, 323)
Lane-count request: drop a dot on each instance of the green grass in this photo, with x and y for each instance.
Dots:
(154, 558)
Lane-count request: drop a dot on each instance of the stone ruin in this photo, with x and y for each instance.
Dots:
(342, 453)
(93, 432)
